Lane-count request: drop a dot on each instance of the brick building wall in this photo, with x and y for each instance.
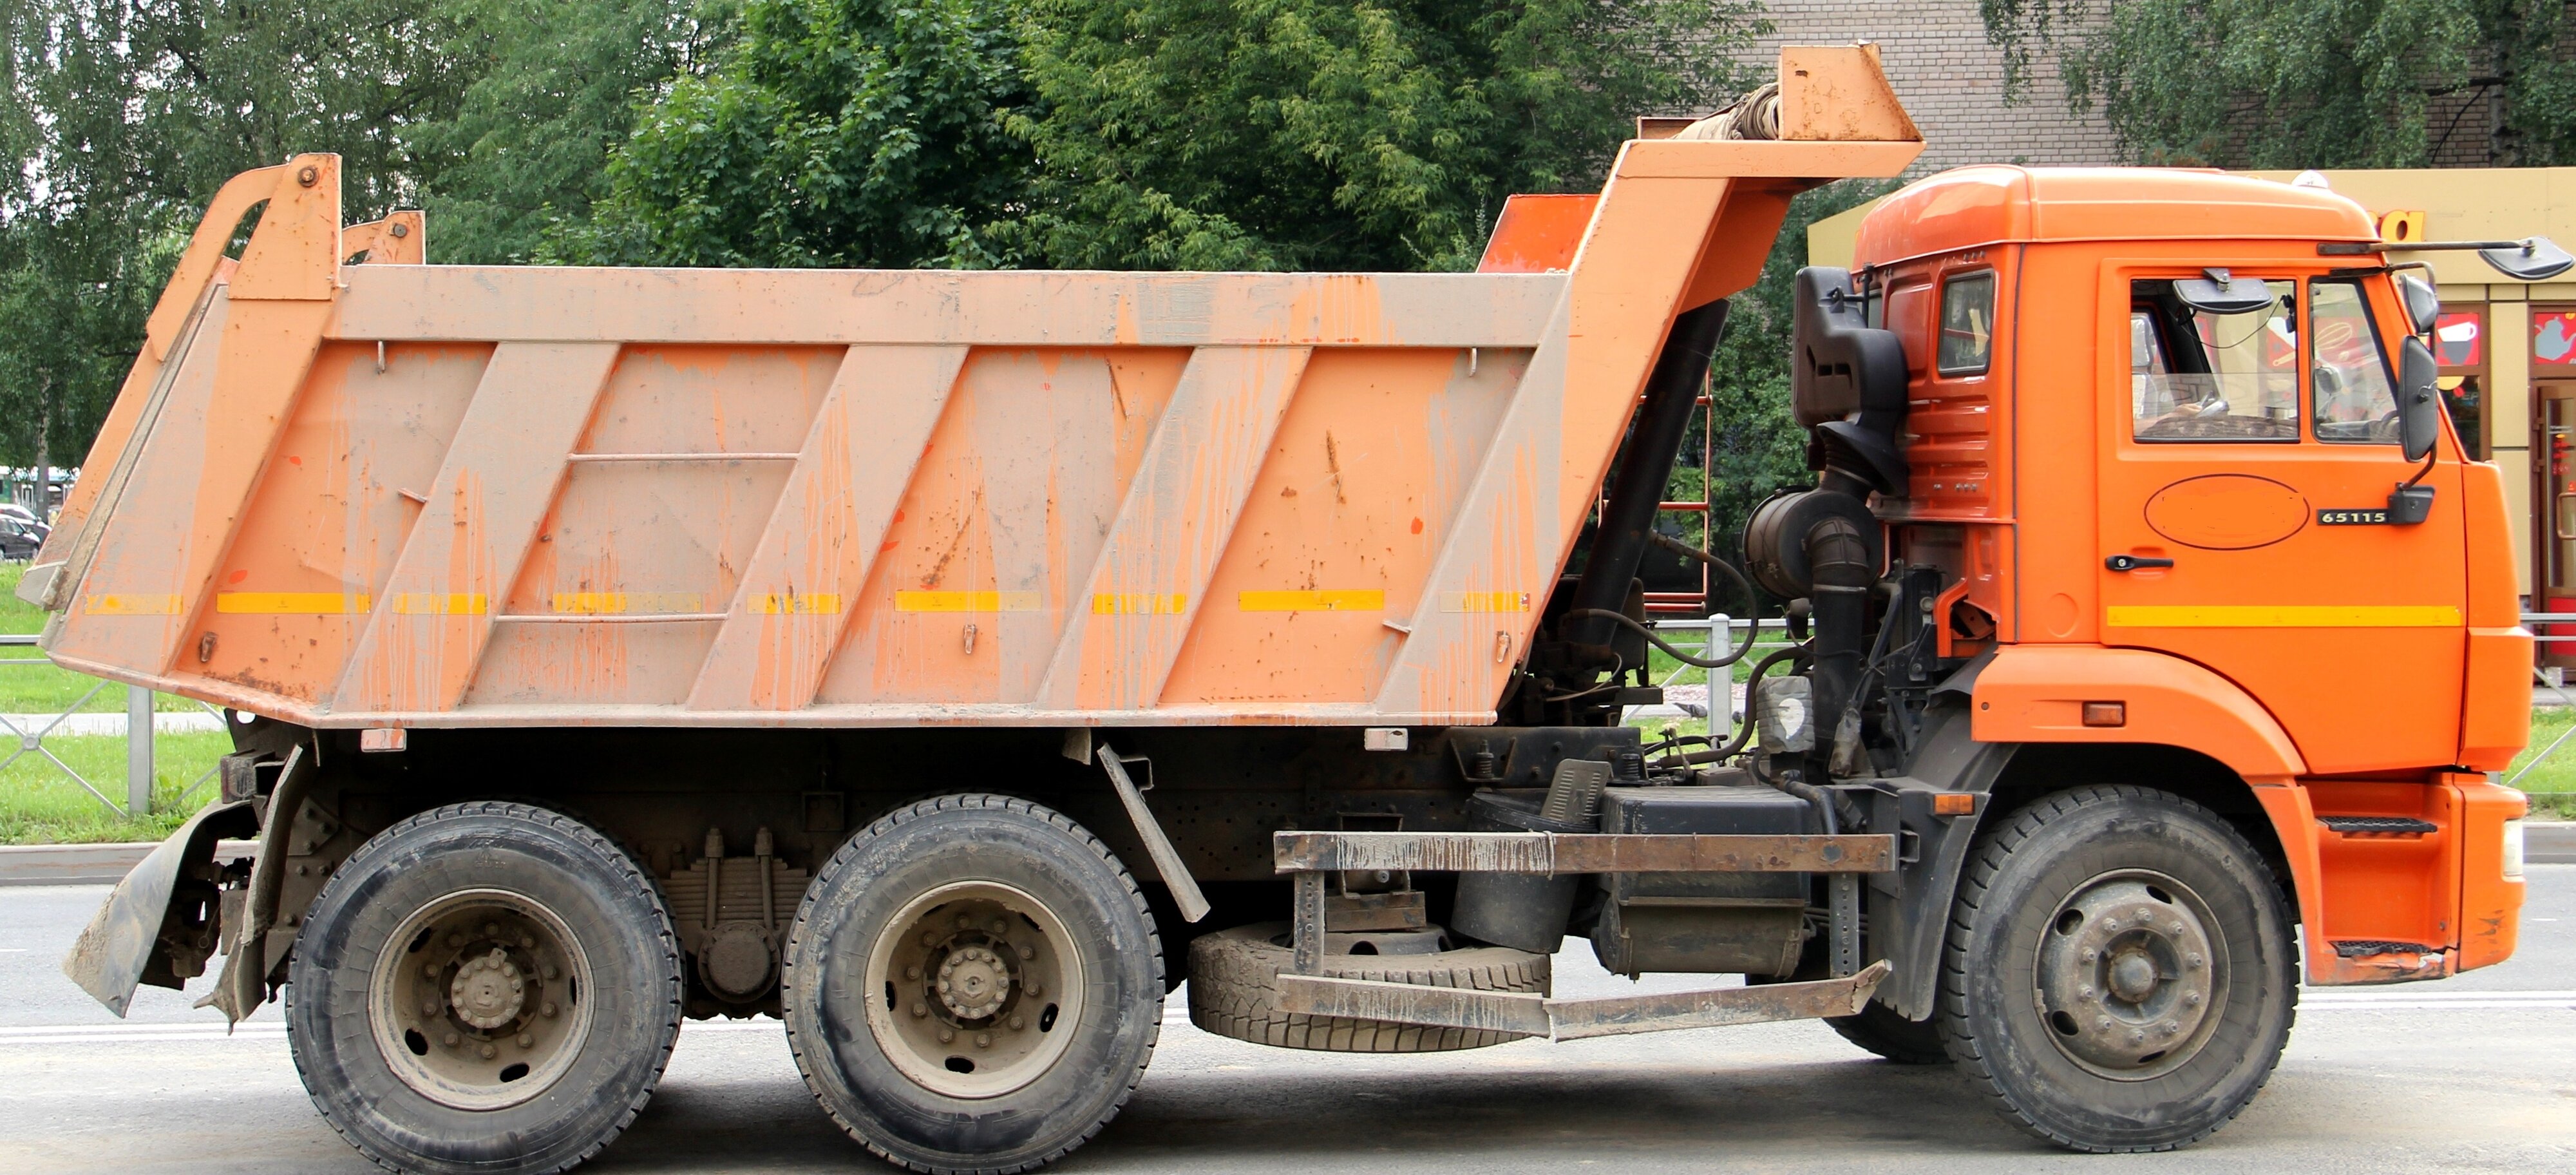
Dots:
(1951, 80)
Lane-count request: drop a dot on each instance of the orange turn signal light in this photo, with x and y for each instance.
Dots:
(2106, 714)
(1953, 803)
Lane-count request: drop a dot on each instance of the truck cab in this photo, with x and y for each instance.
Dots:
(2196, 531)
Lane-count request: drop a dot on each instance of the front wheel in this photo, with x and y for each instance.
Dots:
(2118, 974)
(973, 984)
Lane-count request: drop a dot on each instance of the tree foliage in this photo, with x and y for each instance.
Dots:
(2304, 83)
(1266, 134)
(122, 117)
(1123, 134)
(863, 133)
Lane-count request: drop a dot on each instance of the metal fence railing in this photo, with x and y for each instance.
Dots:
(28, 732)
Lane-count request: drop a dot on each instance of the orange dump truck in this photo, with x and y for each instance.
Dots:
(950, 664)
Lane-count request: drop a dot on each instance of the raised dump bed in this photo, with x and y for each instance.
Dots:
(398, 494)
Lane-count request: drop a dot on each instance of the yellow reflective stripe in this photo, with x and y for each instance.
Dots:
(1346, 600)
(292, 603)
(2284, 616)
(927, 601)
(1484, 601)
(1139, 603)
(619, 603)
(441, 603)
(118, 604)
(791, 604)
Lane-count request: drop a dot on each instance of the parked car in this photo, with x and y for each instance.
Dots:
(19, 537)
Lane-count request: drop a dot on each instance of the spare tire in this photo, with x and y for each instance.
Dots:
(1234, 991)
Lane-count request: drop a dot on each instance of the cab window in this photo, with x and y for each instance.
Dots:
(2355, 397)
(1967, 324)
(2197, 376)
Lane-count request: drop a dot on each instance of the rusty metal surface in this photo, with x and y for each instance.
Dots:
(1407, 1003)
(1445, 1007)
(1721, 1008)
(1549, 852)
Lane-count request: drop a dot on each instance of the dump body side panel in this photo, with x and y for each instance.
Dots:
(412, 495)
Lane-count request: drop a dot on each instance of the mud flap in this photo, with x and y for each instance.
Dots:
(122, 944)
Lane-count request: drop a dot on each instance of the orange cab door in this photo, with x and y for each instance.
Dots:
(2247, 464)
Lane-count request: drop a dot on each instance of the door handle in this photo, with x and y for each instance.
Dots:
(2134, 562)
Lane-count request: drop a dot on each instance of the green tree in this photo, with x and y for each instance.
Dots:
(1124, 134)
(555, 87)
(1312, 134)
(2303, 83)
(861, 133)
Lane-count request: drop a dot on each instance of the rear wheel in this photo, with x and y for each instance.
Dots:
(2118, 974)
(486, 987)
(974, 984)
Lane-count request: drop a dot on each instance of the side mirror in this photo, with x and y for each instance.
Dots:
(2423, 306)
(2535, 259)
(2419, 398)
(2219, 294)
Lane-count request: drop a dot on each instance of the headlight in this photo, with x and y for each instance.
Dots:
(2513, 848)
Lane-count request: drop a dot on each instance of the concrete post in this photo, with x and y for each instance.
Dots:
(138, 752)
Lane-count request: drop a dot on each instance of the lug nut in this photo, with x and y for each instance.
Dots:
(527, 942)
(999, 926)
(429, 970)
(930, 938)
(1027, 953)
(449, 1040)
(489, 1052)
(945, 1036)
(551, 972)
(429, 1007)
(1035, 987)
(964, 922)
(491, 930)
(526, 1040)
(912, 972)
(1018, 1023)
(920, 1010)
(983, 1040)
(456, 940)
(548, 1011)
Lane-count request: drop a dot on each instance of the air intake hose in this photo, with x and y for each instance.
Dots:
(1839, 555)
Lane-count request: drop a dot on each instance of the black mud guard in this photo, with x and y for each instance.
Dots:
(1909, 910)
(126, 943)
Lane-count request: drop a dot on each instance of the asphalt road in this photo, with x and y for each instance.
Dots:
(2473, 1074)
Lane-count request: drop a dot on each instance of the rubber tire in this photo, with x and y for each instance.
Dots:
(2017, 875)
(610, 904)
(1234, 992)
(1880, 1030)
(869, 881)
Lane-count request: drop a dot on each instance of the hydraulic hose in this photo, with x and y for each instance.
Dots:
(1735, 743)
(1622, 620)
(1752, 599)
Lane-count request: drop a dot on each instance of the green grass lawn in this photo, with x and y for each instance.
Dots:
(31, 685)
(41, 805)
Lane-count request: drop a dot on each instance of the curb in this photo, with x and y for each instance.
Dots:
(103, 864)
(2549, 842)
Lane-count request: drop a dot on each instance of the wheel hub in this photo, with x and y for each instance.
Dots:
(973, 982)
(487, 991)
(480, 1000)
(980, 989)
(2129, 976)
